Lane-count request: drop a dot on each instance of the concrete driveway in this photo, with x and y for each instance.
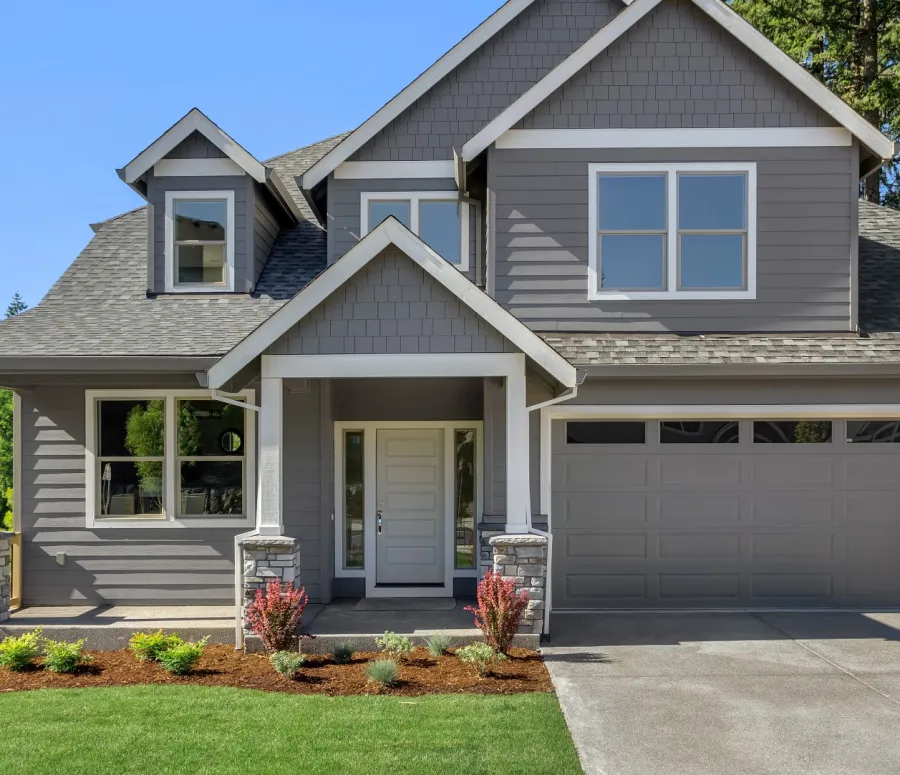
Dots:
(730, 694)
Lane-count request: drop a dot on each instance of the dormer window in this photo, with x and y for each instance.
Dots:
(437, 217)
(200, 241)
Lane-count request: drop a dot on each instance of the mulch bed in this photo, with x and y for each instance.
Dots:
(420, 674)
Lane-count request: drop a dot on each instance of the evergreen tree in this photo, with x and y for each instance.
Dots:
(16, 306)
(6, 436)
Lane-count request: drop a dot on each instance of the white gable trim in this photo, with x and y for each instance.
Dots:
(745, 32)
(195, 168)
(446, 64)
(388, 170)
(391, 232)
(194, 121)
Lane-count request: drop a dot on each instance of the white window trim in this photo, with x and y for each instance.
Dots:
(370, 477)
(671, 293)
(170, 470)
(415, 198)
(171, 285)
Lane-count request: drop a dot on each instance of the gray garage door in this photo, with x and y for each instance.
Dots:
(726, 514)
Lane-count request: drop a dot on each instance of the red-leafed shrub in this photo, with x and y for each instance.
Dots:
(499, 609)
(275, 615)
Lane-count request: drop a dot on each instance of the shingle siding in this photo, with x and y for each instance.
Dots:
(676, 68)
(265, 232)
(489, 81)
(195, 146)
(391, 306)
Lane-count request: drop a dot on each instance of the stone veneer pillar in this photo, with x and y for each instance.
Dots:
(522, 559)
(266, 558)
(5, 574)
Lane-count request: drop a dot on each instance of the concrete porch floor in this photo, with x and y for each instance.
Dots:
(111, 627)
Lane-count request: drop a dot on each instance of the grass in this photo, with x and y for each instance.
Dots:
(201, 731)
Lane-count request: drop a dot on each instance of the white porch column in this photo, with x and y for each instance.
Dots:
(269, 520)
(518, 484)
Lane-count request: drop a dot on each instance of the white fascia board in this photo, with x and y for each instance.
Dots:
(770, 137)
(766, 50)
(390, 170)
(417, 89)
(194, 121)
(564, 71)
(392, 232)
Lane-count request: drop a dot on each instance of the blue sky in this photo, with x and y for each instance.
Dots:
(86, 86)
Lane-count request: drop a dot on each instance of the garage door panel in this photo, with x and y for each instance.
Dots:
(790, 472)
(793, 509)
(698, 509)
(868, 547)
(703, 546)
(880, 471)
(774, 587)
(693, 470)
(867, 585)
(577, 510)
(794, 546)
(609, 546)
(583, 473)
(689, 587)
(872, 509)
(590, 590)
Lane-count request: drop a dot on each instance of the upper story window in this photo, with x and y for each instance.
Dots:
(200, 241)
(672, 231)
(439, 218)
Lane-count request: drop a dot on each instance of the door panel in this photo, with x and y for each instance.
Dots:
(410, 496)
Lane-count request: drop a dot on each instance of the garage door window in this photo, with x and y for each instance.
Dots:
(792, 432)
(873, 431)
(706, 432)
(606, 433)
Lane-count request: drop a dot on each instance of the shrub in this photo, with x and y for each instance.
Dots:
(343, 654)
(62, 657)
(287, 663)
(17, 654)
(147, 646)
(395, 646)
(498, 612)
(181, 659)
(481, 656)
(275, 615)
(439, 644)
(383, 671)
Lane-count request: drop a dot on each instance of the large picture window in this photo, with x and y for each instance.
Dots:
(670, 231)
(168, 458)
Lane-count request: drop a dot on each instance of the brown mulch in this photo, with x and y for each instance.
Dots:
(420, 673)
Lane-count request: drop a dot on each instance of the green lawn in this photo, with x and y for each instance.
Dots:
(150, 730)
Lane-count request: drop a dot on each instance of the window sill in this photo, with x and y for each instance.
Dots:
(671, 295)
(195, 523)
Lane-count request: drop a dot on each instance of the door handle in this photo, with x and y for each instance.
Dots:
(379, 516)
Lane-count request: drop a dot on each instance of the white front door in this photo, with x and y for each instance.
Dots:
(410, 519)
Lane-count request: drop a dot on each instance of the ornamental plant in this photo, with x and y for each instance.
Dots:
(18, 654)
(481, 656)
(275, 615)
(62, 657)
(383, 671)
(439, 644)
(181, 659)
(147, 646)
(287, 663)
(395, 646)
(498, 612)
(343, 654)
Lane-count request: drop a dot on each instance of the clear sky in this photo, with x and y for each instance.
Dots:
(85, 86)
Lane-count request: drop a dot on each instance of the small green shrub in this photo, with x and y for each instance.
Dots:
(395, 646)
(17, 654)
(62, 657)
(287, 663)
(181, 659)
(438, 644)
(383, 671)
(481, 656)
(147, 646)
(343, 654)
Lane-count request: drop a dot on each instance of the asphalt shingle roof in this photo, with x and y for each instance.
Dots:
(100, 307)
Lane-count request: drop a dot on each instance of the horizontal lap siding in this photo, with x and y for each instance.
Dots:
(158, 566)
(489, 81)
(805, 205)
(265, 232)
(676, 68)
(391, 306)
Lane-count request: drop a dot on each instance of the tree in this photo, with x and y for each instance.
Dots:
(16, 306)
(853, 47)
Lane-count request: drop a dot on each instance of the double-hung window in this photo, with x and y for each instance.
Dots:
(199, 241)
(439, 218)
(672, 231)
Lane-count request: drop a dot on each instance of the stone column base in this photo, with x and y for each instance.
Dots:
(5, 574)
(522, 559)
(265, 558)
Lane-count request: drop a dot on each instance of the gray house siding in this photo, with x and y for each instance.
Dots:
(391, 306)
(407, 400)
(676, 68)
(489, 81)
(195, 146)
(265, 232)
(64, 562)
(806, 199)
(243, 227)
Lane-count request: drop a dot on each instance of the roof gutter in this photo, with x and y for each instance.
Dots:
(724, 370)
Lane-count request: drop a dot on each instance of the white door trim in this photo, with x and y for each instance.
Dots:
(370, 477)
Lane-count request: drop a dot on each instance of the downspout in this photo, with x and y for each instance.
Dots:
(217, 396)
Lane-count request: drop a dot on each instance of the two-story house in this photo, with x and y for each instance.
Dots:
(600, 272)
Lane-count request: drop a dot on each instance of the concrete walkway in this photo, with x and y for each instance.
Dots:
(730, 694)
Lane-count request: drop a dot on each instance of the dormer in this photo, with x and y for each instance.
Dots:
(213, 210)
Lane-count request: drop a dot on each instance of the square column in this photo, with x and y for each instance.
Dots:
(270, 518)
(518, 480)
